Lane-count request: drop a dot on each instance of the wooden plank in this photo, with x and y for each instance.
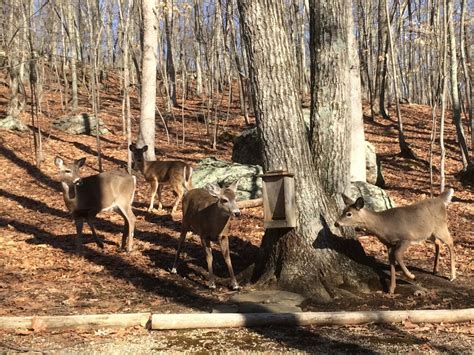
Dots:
(76, 321)
(230, 320)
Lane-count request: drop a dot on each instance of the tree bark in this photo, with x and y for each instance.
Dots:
(454, 86)
(146, 134)
(309, 259)
(357, 149)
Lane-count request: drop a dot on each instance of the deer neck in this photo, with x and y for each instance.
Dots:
(373, 222)
(69, 195)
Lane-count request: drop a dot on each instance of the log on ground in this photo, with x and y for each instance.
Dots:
(229, 320)
(76, 321)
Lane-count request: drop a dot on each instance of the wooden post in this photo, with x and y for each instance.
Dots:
(228, 320)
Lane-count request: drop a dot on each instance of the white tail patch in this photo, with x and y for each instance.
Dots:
(447, 196)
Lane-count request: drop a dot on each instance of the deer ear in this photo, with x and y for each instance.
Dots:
(58, 161)
(80, 162)
(347, 200)
(132, 147)
(144, 148)
(234, 185)
(214, 190)
(359, 204)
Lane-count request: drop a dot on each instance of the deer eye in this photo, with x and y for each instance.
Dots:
(349, 214)
(224, 200)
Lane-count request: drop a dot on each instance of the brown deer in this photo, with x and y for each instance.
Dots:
(86, 197)
(158, 173)
(207, 213)
(399, 227)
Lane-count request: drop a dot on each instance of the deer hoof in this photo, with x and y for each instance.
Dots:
(173, 271)
(411, 276)
(235, 287)
(452, 278)
(212, 286)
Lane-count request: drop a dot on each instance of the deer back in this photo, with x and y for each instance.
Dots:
(104, 191)
(96, 193)
(414, 222)
(165, 171)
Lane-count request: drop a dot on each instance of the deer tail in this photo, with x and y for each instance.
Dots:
(446, 196)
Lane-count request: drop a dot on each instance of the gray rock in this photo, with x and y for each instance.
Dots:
(373, 166)
(375, 198)
(13, 124)
(247, 148)
(211, 170)
(271, 301)
(268, 296)
(82, 123)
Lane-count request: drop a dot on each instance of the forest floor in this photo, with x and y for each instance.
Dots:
(41, 273)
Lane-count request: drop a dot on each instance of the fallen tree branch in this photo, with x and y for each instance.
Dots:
(229, 320)
(250, 203)
(76, 321)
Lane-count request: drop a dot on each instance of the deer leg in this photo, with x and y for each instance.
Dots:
(391, 259)
(445, 236)
(399, 251)
(436, 261)
(79, 221)
(179, 192)
(160, 188)
(206, 243)
(99, 242)
(224, 242)
(153, 187)
(129, 227)
(182, 237)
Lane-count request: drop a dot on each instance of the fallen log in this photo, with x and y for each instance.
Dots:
(250, 203)
(76, 321)
(231, 320)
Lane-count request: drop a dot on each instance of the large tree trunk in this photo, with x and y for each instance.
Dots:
(148, 75)
(309, 259)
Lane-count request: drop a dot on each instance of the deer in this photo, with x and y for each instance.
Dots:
(399, 227)
(85, 197)
(162, 172)
(207, 213)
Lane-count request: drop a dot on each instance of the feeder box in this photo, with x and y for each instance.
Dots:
(279, 199)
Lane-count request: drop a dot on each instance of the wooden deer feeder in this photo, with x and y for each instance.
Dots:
(279, 199)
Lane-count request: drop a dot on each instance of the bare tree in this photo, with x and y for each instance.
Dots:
(146, 135)
(454, 85)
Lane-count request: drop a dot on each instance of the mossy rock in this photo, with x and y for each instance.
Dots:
(211, 170)
(82, 123)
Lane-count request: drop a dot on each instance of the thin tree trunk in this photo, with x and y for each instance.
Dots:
(405, 149)
(148, 79)
(454, 85)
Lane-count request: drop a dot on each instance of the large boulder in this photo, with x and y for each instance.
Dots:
(212, 170)
(373, 166)
(247, 148)
(375, 198)
(82, 123)
(13, 124)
